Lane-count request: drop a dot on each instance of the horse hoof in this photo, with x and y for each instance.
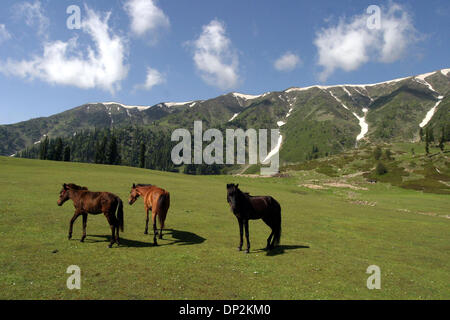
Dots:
(239, 249)
(247, 251)
(145, 232)
(160, 236)
(110, 245)
(82, 240)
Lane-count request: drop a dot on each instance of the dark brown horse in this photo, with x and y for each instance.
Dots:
(246, 207)
(156, 200)
(86, 202)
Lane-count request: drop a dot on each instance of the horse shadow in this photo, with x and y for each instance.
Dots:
(281, 249)
(123, 241)
(183, 238)
(178, 237)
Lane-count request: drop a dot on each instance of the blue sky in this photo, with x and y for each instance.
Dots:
(142, 52)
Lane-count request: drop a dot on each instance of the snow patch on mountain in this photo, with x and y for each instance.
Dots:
(421, 79)
(140, 108)
(363, 124)
(425, 75)
(347, 92)
(281, 123)
(289, 112)
(233, 117)
(274, 150)
(245, 96)
(176, 104)
(430, 113)
(338, 100)
(362, 120)
(346, 85)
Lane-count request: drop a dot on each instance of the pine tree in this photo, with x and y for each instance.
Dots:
(58, 151)
(442, 140)
(427, 141)
(43, 149)
(431, 135)
(377, 153)
(113, 154)
(142, 156)
(100, 154)
(381, 169)
(388, 154)
(67, 154)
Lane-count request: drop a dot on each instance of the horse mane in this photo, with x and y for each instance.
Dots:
(245, 194)
(76, 187)
(144, 185)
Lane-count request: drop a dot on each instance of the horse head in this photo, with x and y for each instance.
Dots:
(232, 194)
(134, 194)
(63, 195)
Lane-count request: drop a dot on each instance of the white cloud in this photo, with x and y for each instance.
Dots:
(64, 63)
(145, 16)
(287, 62)
(34, 16)
(4, 34)
(154, 77)
(215, 57)
(348, 45)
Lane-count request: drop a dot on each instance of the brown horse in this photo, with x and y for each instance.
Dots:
(156, 200)
(246, 207)
(86, 202)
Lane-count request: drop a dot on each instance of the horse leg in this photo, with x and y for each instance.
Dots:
(85, 216)
(112, 226)
(247, 236)
(269, 246)
(117, 231)
(241, 234)
(146, 222)
(155, 230)
(75, 216)
(161, 224)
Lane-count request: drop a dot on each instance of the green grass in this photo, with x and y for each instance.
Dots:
(328, 240)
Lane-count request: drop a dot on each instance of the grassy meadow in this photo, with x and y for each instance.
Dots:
(330, 236)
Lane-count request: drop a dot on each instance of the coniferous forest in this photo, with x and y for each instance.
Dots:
(128, 146)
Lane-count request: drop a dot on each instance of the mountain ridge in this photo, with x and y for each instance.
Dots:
(350, 113)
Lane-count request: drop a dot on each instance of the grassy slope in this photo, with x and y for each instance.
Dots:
(199, 260)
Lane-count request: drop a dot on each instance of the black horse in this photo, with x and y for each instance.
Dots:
(246, 207)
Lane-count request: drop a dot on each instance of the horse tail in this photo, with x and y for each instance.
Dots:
(163, 207)
(277, 227)
(120, 213)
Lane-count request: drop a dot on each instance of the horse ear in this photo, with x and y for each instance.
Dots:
(65, 186)
(237, 185)
(134, 186)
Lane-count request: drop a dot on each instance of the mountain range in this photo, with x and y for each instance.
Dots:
(317, 119)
